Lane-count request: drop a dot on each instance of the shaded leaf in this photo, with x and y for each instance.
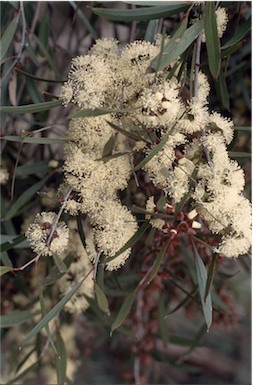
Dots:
(195, 343)
(5, 269)
(240, 33)
(32, 108)
(24, 198)
(8, 35)
(238, 154)
(222, 90)
(131, 135)
(84, 19)
(16, 318)
(43, 313)
(210, 275)
(212, 39)
(61, 359)
(102, 300)
(184, 301)
(34, 168)
(173, 49)
(13, 242)
(140, 13)
(60, 264)
(124, 310)
(53, 312)
(93, 112)
(109, 146)
(21, 375)
(36, 140)
(202, 280)
(157, 263)
(55, 274)
(151, 30)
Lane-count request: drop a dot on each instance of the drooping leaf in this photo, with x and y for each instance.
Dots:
(210, 275)
(13, 242)
(60, 264)
(32, 108)
(140, 14)
(238, 154)
(5, 269)
(55, 274)
(202, 280)
(240, 33)
(212, 39)
(124, 310)
(182, 303)
(109, 146)
(43, 313)
(157, 262)
(8, 35)
(222, 90)
(129, 134)
(24, 198)
(151, 30)
(102, 300)
(84, 19)
(89, 112)
(61, 359)
(53, 312)
(173, 49)
(16, 318)
(130, 242)
(22, 374)
(35, 140)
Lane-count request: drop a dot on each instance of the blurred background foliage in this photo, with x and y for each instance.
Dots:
(36, 53)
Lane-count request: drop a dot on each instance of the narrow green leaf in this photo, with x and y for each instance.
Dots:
(33, 169)
(43, 313)
(102, 300)
(84, 19)
(60, 264)
(35, 140)
(21, 375)
(32, 108)
(4, 257)
(61, 359)
(151, 30)
(180, 205)
(109, 146)
(27, 74)
(140, 14)
(16, 318)
(24, 198)
(5, 269)
(53, 312)
(80, 229)
(89, 112)
(173, 49)
(222, 90)
(131, 135)
(131, 241)
(178, 45)
(124, 310)
(237, 154)
(55, 274)
(195, 343)
(157, 263)
(240, 33)
(8, 35)
(202, 280)
(13, 242)
(210, 275)
(243, 128)
(212, 39)
(184, 301)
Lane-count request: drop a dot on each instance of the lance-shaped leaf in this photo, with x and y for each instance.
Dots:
(16, 318)
(53, 312)
(157, 262)
(61, 359)
(7, 37)
(140, 14)
(102, 300)
(35, 140)
(32, 108)
(151, 30)
(210, 275)
(89, 112)
(22, 374)
(174, 48)
(202, 281)
(240, 33)
(5, 269)
(212, 39)
(124, 310)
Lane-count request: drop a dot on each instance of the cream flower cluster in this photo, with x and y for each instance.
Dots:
(151, 107)
(39, 234)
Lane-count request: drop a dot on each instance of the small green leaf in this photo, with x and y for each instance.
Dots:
(126, 133)
(140, 14)
(212, 39)
(35, 140)
(237, 154)
(184, 301)
(174, 48)
(60, 264)
(130, 242)
(61, 359)
(32, 108)
(102, 300)
(5, 269)
(157, 263)
(109, 146)
(222, 90)
(124, 310)
(13, 242)
(84, 19)
(151, 30)
(33, 169)
(240, 33)
(16, 318)
(8, 35)
(89, 112)
(202, 281)
(53, 312)
(24, 198)
(210, 275)
(243, 128)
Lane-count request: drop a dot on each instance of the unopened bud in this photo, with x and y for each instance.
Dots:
(196, 225)
(192, 214)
